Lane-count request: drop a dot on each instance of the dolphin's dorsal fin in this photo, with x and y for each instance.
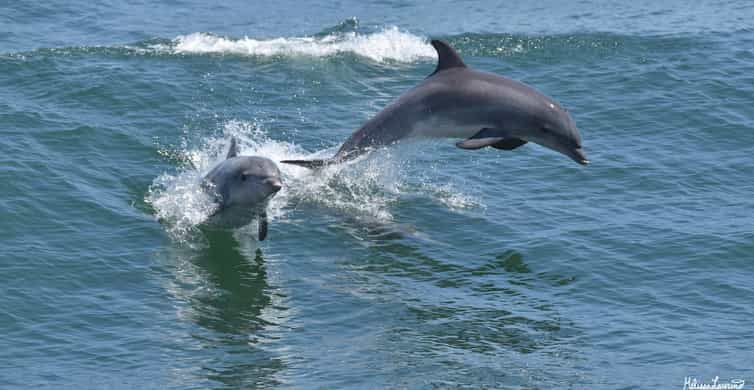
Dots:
(447, 56)
(232, 149)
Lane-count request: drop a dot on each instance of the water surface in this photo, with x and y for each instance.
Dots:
(423, 266)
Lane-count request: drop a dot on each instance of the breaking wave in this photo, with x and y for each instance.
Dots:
(389, 44)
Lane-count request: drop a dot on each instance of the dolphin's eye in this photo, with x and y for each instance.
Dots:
(545, 130)
(243, 177)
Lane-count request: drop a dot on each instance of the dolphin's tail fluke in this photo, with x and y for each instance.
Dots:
(311, 164)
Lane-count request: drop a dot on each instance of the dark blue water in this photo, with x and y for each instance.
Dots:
(422, 266)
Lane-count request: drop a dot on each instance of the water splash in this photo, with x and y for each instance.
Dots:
(364, 189)
(182, 206)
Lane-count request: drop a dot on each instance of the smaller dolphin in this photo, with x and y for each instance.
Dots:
(456, 101)
(242, 186)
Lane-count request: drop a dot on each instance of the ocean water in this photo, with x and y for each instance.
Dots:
(420, 266)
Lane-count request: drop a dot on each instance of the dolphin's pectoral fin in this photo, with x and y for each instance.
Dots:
(485, 137)
(478, 143)
(262, 225)
(508, 143)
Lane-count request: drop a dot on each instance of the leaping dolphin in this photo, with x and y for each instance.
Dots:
(456, 101)
(242, 186)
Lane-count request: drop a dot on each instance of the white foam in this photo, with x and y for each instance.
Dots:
(390, 44)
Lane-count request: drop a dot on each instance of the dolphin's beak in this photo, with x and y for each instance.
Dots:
(274, 183)
(579, 156)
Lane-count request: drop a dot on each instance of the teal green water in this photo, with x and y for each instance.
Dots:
(422, 266)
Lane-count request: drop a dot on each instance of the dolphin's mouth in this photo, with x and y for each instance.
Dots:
(274, 183)
(579, 156)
